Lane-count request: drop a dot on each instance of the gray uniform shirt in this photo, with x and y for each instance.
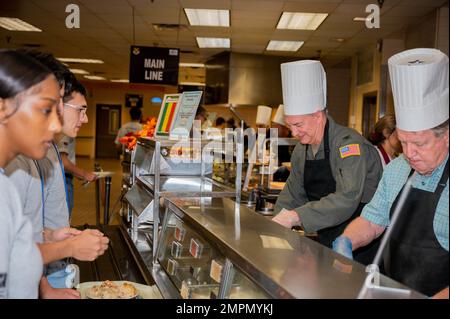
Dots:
(56, 210)
(24, 174)
(67, 145)
(356, 179)
(20, 259)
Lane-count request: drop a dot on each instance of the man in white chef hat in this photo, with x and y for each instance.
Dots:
(335, 171)
(417, 252)
(263, 116)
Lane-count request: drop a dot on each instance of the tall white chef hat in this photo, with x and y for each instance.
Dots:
(279, 116)
(263, 115)
(419, 79)
(304, 87)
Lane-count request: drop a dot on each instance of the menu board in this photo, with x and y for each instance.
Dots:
(185, 115)
(167, 114)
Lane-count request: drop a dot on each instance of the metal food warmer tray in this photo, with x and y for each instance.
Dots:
(216, 248)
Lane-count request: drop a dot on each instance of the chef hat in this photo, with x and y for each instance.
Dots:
(304, 87)
(279, 116)
(419, 79)
(263, 115)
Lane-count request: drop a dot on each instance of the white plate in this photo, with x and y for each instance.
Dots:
(144, 292)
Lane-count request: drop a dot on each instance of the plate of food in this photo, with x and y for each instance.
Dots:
(117, 290)
(112, 290)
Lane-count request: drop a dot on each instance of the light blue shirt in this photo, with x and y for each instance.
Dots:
(377, 211)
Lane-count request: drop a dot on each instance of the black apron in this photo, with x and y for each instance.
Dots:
(414, 256)
(319, 182)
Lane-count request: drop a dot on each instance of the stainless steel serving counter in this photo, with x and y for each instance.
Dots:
(280, 261)
(180, 186)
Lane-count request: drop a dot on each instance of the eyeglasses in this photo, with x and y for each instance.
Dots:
(81, 109)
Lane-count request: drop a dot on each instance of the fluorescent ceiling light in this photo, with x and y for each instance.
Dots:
(15, 24)
(78, 71)
(360, 19)
(78, 60)
(192, 83)
(94, 77)
(213, 42)
(301, 20)
(192, 65)
(275, 45)
(121, 81)
(207, 17)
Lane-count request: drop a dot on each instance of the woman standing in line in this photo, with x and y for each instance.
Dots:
(29, 95)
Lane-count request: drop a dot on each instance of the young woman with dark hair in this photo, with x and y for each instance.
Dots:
(29, 95)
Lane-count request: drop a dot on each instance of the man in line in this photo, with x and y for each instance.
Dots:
(66, 143)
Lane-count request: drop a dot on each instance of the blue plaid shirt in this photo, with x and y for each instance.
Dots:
(377, 211)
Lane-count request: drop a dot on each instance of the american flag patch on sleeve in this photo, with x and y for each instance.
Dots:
(349, 150)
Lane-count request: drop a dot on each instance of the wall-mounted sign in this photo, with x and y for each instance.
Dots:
(154, 65)
(133, 100)
(167, 114)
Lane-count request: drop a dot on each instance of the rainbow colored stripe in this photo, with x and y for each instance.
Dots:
(167, 117)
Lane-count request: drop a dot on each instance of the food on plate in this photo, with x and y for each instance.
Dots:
(111, 290)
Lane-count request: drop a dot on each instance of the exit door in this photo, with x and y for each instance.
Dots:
(108, 124)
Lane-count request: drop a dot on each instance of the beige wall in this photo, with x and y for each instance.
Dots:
(358, 91)
(430, 32)
(338, 93)
(114, 93)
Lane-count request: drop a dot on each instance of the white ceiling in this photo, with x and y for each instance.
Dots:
(107, 27)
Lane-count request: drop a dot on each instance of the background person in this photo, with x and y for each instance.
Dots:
(384, 137)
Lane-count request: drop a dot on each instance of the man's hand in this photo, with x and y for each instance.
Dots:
(88, 245)
(89, 176)
(48, 292)
(61, 293)
(343, 245)
(287, 218)
(52, 235)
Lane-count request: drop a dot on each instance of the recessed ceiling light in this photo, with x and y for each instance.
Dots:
(301, 20)
(275, 45)
(78, 71)
(15, 24)
(94, 77)
(120, 81)
(192, 65)
(78, 60)
(338, 39)
(213, 42)
(208, 17)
